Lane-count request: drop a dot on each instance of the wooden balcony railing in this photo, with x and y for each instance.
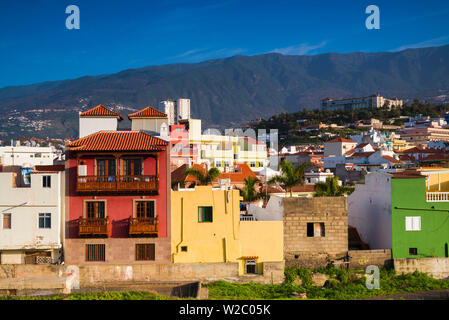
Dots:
(141, 183)
(143, 226)
(93, 227)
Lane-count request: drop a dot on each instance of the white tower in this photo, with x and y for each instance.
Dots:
(183, 109)
(170, 110)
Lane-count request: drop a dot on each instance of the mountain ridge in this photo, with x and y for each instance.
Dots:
(234, 90)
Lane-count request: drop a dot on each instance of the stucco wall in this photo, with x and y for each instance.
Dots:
(226, 239)
(369, 210)
(95, 124)
(24, 205)
(409, 200)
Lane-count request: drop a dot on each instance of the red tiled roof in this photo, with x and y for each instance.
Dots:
(362, 154)
(391, 159)
(244, 173)
(118, 141)
(101, 111)
(341, 140)
(405, 157)
(148, 112)
(304, 188)
(407, 175)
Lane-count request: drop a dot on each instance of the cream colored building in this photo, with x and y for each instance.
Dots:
(223, 151)
(31, 224)
(28, 157)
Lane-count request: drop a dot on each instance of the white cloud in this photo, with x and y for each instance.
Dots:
(196, 55)
(300, 49)
(428, 43)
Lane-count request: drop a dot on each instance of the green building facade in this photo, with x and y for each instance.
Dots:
(420, 229)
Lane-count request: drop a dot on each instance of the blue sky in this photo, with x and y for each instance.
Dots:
(114, 35)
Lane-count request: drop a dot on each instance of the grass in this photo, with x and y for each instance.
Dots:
(106, 295)
(342, 285)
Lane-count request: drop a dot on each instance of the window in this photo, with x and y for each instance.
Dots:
(6, 221)
(132, 167)
(95, 209)
(413, 251)
(44, 220)
(145, 251)
(412, 223)
(105, 167)
(315, 229)
(205, 214)
(252, 164)
(144, 209)
(184, 248)
(218, 164)
(250, 266)
(95, 252)
(46, 181)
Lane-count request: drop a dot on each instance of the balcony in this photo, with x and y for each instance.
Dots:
(143, 226)
(96, 227)
(437, 196)
(118, 184)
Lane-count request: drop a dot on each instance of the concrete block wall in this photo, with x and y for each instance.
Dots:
(302, 250)
(435, 267)
(360, 259)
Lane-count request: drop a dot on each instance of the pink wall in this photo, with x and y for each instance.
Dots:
(118, 208)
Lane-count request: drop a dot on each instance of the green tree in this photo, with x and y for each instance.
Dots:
(290, 176)
(331, 188)
(249, 190)
(203, 177)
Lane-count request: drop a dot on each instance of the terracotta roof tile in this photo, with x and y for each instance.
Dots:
(118, 141)
(341, 140)
(391, 159)
(148, 112)
(100, 111)
(243, 173)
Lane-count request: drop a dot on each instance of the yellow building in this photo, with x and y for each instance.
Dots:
(206, 227)
(437, 178)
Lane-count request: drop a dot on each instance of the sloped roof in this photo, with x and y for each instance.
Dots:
(341, 140)
(101, 111)
(118, 141)
(243, 173)
(148, 112)
(391, 159)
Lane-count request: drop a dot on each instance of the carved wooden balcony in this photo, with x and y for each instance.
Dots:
(118, 184)
(143, 227)
(93, 227)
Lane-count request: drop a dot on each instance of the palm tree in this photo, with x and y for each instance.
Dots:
(331, 188)
(249, 191)
(203, 177)
(290, 176)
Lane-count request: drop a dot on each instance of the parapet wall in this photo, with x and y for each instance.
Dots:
(435, 267)
(94, 275)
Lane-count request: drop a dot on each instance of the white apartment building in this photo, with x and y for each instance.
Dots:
(28, 157)
(374, 101)
(32, 218)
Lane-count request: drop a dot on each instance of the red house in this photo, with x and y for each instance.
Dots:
(118, 198)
